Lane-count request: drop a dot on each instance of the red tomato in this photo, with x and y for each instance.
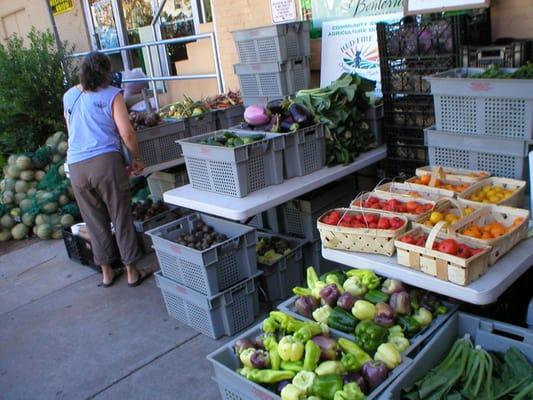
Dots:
(359, 218)
(464, 251)
(408, 239)
(372, 218)
(411, 206)
(475, 251)
(421, 241)
(396, 223)
(448, 246)
(358, 224)
(420, 210)
(373, 200)
(401, 208)
(384, 223)
(372, 225)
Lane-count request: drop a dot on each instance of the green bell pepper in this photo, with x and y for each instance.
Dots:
(270, 325)
(330, 367)
(409, 325)
(376, 296)
(321, 314)
(389, 355)
(267, 375)
(367, 277)
(307, 331)
(400, 342)
(351, 362)
(326, 386)
(340, 277)
(311, 356)
(370, 335)
(285, 321)
(292, 392)
(341, 320)
(290, 349)
(423, 316)
(295, 366)
(353, 348)
(350, 391)
(364, 310)
(304, 380)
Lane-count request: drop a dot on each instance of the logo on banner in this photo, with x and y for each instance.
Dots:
(357, 56)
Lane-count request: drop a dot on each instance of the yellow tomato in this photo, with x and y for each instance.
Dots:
(436, 217)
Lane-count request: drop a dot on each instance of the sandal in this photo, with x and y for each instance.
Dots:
(141, 278)
(116, 275)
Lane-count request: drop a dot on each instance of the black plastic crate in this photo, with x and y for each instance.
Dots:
(406, 76)
(80, 250)
(433, 37)
(404, 153)
(411, 112)
(512, 55)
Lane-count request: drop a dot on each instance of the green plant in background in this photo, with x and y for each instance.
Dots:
(35, 74)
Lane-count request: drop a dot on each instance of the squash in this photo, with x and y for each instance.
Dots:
(7, 221)
(23, 163)
(44, 231)
(27, 176)
(19, 197)
(7, 184)
(25, 205)
(28, 220)
(67, 220)
(62, 147)
(63, 200)
(21, 186)
(8, 197)
(42, 219)
(12, 172)
(50, 207)
(5, 235)
(39, 174)
(19, 231)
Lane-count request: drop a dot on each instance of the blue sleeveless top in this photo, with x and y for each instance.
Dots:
(91, 128)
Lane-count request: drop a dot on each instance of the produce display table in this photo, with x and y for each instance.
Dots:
(240, 209)
(485, 290)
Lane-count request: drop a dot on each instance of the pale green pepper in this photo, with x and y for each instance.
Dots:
(389, 355)
(290, 349)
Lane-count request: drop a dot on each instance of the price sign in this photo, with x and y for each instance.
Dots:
(60, 6)
(283, 11)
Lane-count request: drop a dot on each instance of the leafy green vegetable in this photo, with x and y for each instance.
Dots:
(495, 72)
(341, 106)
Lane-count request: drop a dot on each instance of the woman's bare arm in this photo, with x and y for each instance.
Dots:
(126, 131)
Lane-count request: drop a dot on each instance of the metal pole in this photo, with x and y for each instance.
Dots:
(154, 86)
(220, 84)
(58, 40)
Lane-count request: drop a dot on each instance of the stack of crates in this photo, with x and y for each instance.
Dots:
(273, 61)
(409, 51)
(212, 290)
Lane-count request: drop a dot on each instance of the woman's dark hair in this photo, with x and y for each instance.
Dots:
(95, 71)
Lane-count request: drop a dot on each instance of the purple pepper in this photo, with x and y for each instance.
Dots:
(281, 385)
(258, 342)
(305, 305)
(357, 378)
(328, 347)
(346, 301)
(400, 302)
(374, 373)
(242, 344)
(260, 359)
(330, 294)
(384, 315)
(391, 286)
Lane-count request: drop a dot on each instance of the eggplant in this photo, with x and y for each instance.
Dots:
(276, 106)
(301, 115)
(305, 305)
(288, 125)
(357, 378)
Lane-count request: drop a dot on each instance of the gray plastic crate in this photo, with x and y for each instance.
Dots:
(209, 271)
(489, 334)
(493, 107)
(158, 145)
(229, 117)
(283, 275)
(497, 155)
(274, 43)
(417, 341)
(235, 171)
(141, 227)
(374, 116)
(305, 151)
(201, 124)
(273, 79)
(267, 221)
(162, 181)
(262, 100)
(313, 258)
(236, 387)
(226, 313)
(299, 216)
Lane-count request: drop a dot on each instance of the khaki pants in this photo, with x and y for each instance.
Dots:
(102, 190)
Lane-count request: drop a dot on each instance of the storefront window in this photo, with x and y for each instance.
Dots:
(105, 28)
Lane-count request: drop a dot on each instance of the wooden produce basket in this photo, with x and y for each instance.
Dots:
(389, 196)
(438, 179)
(415, 191)
(516, 200)
(446, 267)
(448, 206)
(465, 175)
(364, 240)
(506, 216)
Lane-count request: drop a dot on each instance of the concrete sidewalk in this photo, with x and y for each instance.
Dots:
(63, 337)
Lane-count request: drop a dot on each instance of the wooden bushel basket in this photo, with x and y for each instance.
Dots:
(364, 240)
(443, 266)
(516, 200)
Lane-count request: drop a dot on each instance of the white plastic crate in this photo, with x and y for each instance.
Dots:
(226, 313)
(493, 107)
(273, 79)
(235, 171)
(206, 271)
(499, 156)
(274, 43)
(160, 182)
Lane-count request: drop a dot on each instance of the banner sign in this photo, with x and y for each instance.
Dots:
(323, 10)
(60, 6)
(351, 45)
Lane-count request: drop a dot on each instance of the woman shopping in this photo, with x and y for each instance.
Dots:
(97, 119)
